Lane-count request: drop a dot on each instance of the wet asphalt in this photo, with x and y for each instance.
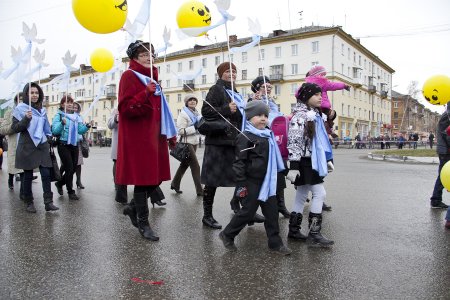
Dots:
(389, 244)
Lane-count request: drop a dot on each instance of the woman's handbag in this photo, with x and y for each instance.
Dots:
(84, 147)
(212, 127)
(181, 151)
(55, 174)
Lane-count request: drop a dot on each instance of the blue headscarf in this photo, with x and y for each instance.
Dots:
(168, 127)
(321, 151)
(274, 165)
(237, 98)
(39, 127)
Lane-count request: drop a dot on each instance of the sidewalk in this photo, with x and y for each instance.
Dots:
(406, 159)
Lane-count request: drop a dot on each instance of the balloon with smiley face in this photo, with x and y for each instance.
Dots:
(193, 14)
(101, 16)
(436, 90)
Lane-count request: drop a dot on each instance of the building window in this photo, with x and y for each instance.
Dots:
(244, 74)
(204, 62)
(342, 69)
(277, 89)
(217, 60)
(359, 60)
(168, 98)
(395, 104)
(203, 95)
(348, 53)
(203, 79)
(243, 92)
(180, 67)
(260, 72)
(261, 54)
(277, 52)
(294, 88)
(168, 83)
(191, 65)
(294, 50)
(342, 109)
(167, 68)
(395, 115)
(179, 111)
(314, 63)
(294, 69)
(354, 56)
(342, 49)
(178, 98)
(348, 110)
(244, 57)
(180, 82)
(232, 57)
(315, 47)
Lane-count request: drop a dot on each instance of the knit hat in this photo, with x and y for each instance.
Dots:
(223, 67)
(258, 82)
(256, 108)
(317, 70)
(306, 91)
(189, 97)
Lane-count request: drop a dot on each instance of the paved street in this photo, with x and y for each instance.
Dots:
(389, 244)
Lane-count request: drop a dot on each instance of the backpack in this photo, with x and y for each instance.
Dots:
(280, 126)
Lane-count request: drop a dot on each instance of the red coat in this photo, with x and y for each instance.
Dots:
(142, 152)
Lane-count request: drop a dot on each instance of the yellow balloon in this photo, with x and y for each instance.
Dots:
(445, 175)
(193, 14)
(102, 60)
(100, 16)
(436, 90)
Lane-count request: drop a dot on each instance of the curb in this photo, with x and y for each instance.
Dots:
(404, 159)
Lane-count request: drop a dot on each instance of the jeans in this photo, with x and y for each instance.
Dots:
(438, 187)
(28, 178)
(69, 161)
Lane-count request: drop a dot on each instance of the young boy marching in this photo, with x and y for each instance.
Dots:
(310, 157)
(258, 160)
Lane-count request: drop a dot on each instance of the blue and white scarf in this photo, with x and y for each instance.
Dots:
(168, 127)
(274, 165)
(39, 127)
(194, 117)
(237, 98)
(321, 151)
(73, 120)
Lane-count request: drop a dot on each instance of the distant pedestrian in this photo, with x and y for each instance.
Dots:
(431, 139)
(415, 138)
(443, 150)
(401, 141)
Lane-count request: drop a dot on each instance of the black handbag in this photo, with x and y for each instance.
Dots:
(181, 150)
(212, 127)
(84, 147)
(55, 174)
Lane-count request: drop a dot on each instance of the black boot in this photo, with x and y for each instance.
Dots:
(130, 210)
(142, 217)
(235, 205)
(281, 205)
(156, 197)
(326, 207)
(11, 181)
(295, 223)
(315, 238)
(257, 218)
(121, 194)
(208, 200)
(48, 201)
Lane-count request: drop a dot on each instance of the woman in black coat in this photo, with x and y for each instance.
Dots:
(219, 147)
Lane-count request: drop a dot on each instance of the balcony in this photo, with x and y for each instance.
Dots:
(372, 89)
(111, 91)
(276, 77)
(188, 87)
(357, 82)
(383, 94)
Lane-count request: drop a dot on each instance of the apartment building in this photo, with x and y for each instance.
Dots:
(284, 56)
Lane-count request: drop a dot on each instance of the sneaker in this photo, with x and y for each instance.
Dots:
(326, 207)
(447, 224)
(73, 196)
(439, 205)
(283, 250)
(227, 242)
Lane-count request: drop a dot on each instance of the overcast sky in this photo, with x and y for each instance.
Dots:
(411, 36)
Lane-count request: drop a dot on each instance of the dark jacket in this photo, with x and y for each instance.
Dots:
(220, 100)
(251, 164)
(443, 140)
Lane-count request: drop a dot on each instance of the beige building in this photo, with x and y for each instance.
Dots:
(284, 56)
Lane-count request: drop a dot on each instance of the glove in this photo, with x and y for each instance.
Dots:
(347, 87)
(292, 175)
(151, 88)
(330, 167)
(242, 192)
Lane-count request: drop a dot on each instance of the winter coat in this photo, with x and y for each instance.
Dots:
(5, 129)
(142, 152)
(114, 126)
(220, 100)
(28, 156)
(187, 129)
(61, 130)
(325, 85)
(251, 164)
(443, 140)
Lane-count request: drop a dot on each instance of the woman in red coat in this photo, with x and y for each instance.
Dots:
(144, 127)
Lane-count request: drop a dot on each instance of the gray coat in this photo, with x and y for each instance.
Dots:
(28, 156)
(5, 129)
(114, 126)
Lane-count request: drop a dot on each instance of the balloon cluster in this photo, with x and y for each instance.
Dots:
(436, 90)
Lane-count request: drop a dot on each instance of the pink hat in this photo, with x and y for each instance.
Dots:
(317, 70)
